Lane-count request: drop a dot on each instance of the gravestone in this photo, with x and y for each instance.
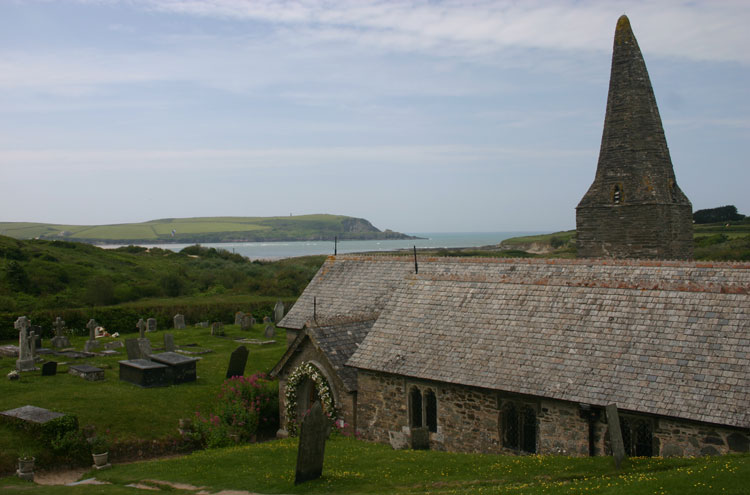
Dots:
(615, 434)
(179, 322)
(151, 325)
(26, 359)
(245, 323)
(49, 368)
(87, 372)
(266, 320)
(37, 341)
(132, 348)
(169, 343)
(181, 368)
(31, 414)
(420, 438)
(217, 328)
(141, 328)
(144, 373)
(115, 344)
(278, 311)
(59, 341)
(270, 332)
(9, 350)
(202, 324)
(145, 346)
(237, 362)
(238, 316)
(91, 344)
(312, 445)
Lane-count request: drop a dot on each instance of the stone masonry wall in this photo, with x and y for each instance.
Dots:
(635, 231)
(344, 401)
(469, 420)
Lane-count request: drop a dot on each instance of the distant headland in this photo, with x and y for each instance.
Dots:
(208, 229)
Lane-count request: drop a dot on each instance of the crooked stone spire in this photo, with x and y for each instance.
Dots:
(634, 208)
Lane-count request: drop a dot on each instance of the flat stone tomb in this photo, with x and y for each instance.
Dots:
(181, 368)
(87, 372)
(74, 354)
(9, 351)
(144, 373)
(32, 414)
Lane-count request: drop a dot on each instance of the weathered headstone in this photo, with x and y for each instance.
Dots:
(420, 438)
(25, 361)
(141, 328)
(217, 328)
(60, 340)
(615, 434)
(169, 343)
(202, 324)
(37, 341)
(49, 368)
(181, 368)
(238, 316)
(132, 348)
(270, 332)
(87, 372)
(145, 346)
(151, 325)
(91, 344)
(278, 311)
(115, 344)
(245, 323)
(266, 320)
(179, 322)
(312, 445)
(237, 362)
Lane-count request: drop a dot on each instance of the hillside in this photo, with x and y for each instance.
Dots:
(37, 274)
(206, 229)
(719, 241)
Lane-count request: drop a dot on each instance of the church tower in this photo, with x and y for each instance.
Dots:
(634, 208)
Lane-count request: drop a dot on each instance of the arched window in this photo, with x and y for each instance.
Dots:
(430, 410)
(519, 427)
(415, 404)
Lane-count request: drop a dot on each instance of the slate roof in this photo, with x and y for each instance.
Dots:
(666, 338)
(360, 286)
(337, 340)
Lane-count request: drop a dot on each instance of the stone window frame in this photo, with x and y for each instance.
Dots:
(425, 413)
(521, 405)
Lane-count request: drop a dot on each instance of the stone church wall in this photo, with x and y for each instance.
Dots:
(469, 420)
(344, 402)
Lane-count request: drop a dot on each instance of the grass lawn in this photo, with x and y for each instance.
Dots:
(353, 466)
(132, 414)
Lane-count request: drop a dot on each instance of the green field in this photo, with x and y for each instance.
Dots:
(204, 229)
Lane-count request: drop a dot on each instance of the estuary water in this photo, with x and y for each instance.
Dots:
(279, 250)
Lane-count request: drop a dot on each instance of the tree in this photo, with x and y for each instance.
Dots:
(721, 214)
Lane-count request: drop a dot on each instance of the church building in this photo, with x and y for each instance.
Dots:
(523, 355)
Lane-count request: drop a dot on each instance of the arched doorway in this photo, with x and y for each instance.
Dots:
(306, 385)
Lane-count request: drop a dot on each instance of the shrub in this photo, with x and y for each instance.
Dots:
(244, 407)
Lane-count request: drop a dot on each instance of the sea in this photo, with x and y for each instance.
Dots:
(280, 250)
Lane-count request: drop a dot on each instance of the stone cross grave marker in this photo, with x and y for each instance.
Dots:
(49, 368)
(133, 349)
(169, 343)
(238, 316)
(270, 332)
(237, 362)
(25, 361)
(615, 434)
(59, 341)
(278, 311)
(179, 322)
(247, 322)
(151, 325)
(312, 445)
(91, 344)
(141, 328)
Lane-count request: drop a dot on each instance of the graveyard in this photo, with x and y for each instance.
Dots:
(140, 419)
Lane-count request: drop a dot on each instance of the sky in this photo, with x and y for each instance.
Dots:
(420, 116)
